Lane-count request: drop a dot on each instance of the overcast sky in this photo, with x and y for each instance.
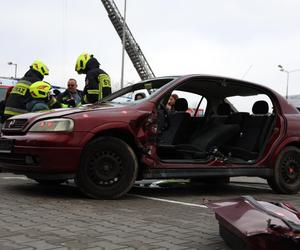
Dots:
(236, 38)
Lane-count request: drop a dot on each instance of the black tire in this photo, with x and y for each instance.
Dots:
(286, 177)
(49, 182)
(108, 168)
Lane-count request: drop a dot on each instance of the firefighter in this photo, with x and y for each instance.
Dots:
(20, 96)
(97, 81)
(40, 97)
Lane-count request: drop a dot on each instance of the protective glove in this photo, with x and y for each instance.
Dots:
(70, 103)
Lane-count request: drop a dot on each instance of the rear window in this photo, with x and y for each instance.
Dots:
(245, 103)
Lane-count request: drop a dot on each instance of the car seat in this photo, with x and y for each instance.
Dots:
(213, 135)
(253, 133)
(177, 123)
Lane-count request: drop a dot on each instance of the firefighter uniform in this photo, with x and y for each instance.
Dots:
(97, 81)
(20, 94)
(40, 97)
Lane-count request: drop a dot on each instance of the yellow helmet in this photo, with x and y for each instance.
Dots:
(40, 67)
(81, 62)
(40, 89)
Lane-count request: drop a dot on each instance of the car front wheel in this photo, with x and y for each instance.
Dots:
(286, 178)
(108, 168)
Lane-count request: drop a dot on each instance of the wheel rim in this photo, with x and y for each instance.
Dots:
(105, 168)
(290, 169)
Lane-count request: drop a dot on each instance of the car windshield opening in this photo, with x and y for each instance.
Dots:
(137, 92)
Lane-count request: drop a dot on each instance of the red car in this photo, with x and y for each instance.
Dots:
(244, 129)
(4, 92)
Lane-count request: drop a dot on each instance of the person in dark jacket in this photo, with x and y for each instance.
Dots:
(97, 81)
(20, 96)
(71, 96)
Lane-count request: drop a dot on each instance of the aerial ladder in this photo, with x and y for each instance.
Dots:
(131, 46)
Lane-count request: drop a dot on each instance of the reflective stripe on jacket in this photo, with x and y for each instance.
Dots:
(98, 85)
(16, 101)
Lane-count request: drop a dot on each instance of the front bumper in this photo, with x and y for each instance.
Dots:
(47, 153)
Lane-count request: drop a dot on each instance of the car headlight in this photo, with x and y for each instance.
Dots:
(53, 125)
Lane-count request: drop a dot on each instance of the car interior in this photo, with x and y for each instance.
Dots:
(235, 126)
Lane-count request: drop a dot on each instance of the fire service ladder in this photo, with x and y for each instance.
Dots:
(131, 46)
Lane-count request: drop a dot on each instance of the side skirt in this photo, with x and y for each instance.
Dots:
(206, 172)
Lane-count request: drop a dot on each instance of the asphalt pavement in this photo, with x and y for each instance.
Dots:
(154, 215)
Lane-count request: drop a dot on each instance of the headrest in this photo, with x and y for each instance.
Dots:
(224, 109)
(181, 104)
(260, 108)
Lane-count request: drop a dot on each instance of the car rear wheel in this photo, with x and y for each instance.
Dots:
(286, 178)
(108, 168)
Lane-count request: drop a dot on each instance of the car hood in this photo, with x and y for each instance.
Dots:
(53, 113)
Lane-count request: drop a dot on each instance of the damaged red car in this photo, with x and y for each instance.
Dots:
(243, 129)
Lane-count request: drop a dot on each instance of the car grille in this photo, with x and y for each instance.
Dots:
(14, 124)
(12, 159)
(19, 159)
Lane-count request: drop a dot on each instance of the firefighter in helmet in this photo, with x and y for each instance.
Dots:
(97, 81)
(20, 96)
(40, 96)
